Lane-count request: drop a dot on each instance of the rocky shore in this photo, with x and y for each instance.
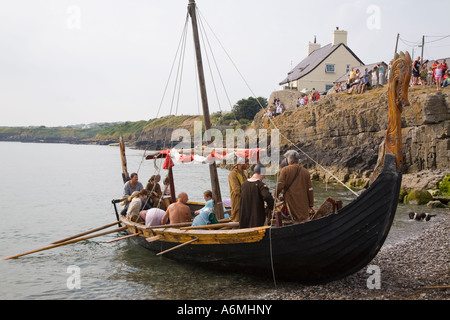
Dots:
(411, 270)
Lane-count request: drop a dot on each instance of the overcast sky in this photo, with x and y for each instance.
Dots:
(82, 61)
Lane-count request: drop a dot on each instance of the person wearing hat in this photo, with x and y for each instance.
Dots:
(154, 191)
(136, 201)
(235, 179)
(254, 193)
(295, 184)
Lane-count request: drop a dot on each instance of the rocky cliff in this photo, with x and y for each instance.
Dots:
(342, 133)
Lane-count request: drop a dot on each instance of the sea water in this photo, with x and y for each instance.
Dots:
(52, 191)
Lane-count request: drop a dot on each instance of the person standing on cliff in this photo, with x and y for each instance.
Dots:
(416, 71)
(235, 179)
(295, 184)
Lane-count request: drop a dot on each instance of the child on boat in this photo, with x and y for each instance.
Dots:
(206, 214)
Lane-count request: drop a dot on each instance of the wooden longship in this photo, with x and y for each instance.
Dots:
(317, 251)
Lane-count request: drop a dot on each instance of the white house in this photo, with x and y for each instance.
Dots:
(323, 65)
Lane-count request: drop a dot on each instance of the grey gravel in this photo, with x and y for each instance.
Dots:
(407, 271)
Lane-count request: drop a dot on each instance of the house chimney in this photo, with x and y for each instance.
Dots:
(339, 36)
(313, 46)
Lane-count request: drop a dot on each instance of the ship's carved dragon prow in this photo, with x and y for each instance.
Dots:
(399, 79)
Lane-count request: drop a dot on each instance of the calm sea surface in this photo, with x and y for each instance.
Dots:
(51, 191)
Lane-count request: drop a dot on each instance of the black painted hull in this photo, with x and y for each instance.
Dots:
(318, 251)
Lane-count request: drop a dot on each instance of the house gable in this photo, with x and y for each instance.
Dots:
(314, 60)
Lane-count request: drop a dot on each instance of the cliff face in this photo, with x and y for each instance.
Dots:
(158, 136)
(342, 131)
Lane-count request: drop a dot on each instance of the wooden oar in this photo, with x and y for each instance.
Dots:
(152, 239)
(125, 237)
(67, 242)
(87, 232)
(178, 246)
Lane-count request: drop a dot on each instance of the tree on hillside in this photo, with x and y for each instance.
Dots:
(248, 108)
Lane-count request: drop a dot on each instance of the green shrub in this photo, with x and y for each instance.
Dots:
(444, 186)
(402, 195)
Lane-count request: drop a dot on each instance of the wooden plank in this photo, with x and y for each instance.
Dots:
(213, 236)
(213, 226)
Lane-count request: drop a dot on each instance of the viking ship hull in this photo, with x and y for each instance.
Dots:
(317, 251)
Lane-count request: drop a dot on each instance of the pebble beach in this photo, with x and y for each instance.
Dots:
(415, 269)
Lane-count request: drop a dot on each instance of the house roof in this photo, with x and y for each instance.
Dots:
(313, 60)
(361, 69)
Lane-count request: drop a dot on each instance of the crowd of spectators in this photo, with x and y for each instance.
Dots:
(277, 108)
(359, 81)
(427, 74)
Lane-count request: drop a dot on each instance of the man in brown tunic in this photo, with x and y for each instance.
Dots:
(254, 193)
(235, 179)
(295, 184)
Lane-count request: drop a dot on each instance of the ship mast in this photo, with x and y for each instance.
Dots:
(217, 197)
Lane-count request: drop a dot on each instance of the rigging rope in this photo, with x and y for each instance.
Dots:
(180, 45)
(272, 121)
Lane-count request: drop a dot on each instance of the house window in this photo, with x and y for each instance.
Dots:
(348, 68)
(328, 87)
(329, 68)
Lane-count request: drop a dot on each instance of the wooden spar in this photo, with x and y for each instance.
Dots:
(217, 197)
(67, 242)
(173, 198)
(86, 232)
(125, 175)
